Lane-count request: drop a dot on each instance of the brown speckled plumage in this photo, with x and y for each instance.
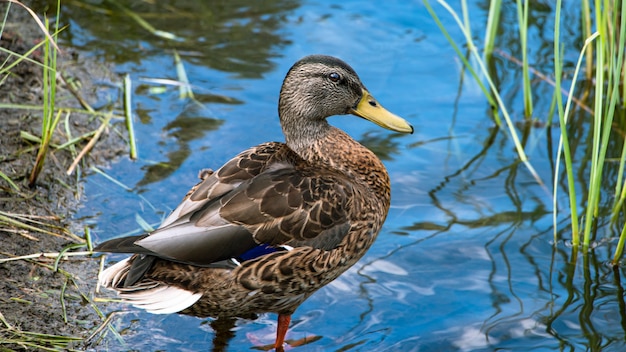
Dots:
(320, 199)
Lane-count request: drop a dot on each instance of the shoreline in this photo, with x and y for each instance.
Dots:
(34, 298)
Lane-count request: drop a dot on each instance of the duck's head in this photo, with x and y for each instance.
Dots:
(317, 87)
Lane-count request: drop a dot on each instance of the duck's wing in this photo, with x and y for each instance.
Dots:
(258, 198)
(281, 205)
(290, 205)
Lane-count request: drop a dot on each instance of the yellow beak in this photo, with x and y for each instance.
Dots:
(369, 109)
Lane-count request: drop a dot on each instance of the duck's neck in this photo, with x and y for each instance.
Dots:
(305, 134)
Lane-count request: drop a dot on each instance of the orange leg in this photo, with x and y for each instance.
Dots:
(281, 331)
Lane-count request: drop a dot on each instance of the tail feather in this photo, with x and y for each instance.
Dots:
(123, 245)
(155, 297)
(114, 276)
(161, 299)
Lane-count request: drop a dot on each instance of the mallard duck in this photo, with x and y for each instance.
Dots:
(275, 223)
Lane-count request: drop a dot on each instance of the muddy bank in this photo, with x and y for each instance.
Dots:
(33, 297)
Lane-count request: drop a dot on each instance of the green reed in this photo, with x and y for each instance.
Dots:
(602, 60)
(522, 18)
(613, 40)
(609, 68)
(493, 19)
(564, 145)
(51, 114)
(49, 118)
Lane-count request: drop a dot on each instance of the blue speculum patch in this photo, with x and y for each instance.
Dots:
(256, 252)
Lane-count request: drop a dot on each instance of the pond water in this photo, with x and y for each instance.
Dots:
(466, 260)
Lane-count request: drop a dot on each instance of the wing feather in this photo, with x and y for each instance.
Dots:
(244, 166)
(289, 205)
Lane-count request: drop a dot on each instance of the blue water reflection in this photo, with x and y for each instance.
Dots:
(465, 261)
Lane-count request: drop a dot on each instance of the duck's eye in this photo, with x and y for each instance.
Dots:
(334, 76)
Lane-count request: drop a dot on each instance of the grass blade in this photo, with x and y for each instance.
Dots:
(493, 20)
(129, 116)
(9, 181)
(522, 17)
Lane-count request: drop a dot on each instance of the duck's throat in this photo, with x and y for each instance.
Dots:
(304, 136)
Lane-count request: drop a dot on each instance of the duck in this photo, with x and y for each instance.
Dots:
(275, 223)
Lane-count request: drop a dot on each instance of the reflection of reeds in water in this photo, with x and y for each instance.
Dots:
(603, 57)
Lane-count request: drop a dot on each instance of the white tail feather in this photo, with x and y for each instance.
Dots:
(164, 299)
(113, 275)
(152, 296)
